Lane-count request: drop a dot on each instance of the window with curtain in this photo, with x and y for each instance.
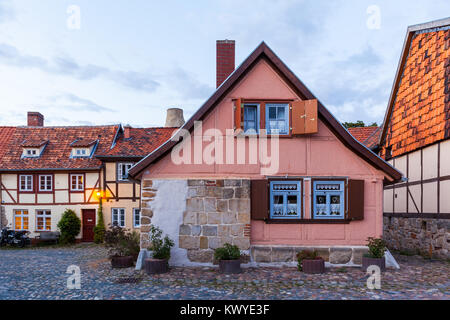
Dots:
(118, 217)
(329, 200)
(21, 220)
(277, 118)
(251, 123)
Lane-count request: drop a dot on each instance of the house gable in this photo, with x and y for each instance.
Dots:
(278, 82)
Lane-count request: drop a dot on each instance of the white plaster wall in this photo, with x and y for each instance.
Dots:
(430, 162)
(168, 207)
(445, 158)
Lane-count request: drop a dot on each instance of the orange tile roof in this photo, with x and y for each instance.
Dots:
(56, 154)
(5, 136)
(419, 109)
(362, 133)
(141, 142)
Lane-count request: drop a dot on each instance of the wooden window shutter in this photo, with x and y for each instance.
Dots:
(259, 200)
(298, 117)
(238, 115)
(355, 200)
(311, 116)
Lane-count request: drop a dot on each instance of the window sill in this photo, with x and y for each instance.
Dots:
(307, 221)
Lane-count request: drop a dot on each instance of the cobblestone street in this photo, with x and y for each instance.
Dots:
(41, 274)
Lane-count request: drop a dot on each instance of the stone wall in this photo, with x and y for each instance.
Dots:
(3, 220)
(288, 254)
(418, 236)
(217, 212)
(148, 194)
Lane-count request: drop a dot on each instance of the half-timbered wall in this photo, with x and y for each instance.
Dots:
(417, 211)
(119, 194)
(60, 198)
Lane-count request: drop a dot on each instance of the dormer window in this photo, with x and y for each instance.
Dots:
(80, 152)
(83, 148)
(31, 153)
(33, 148)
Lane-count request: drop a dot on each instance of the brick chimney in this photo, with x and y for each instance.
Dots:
(174, 118)
(225, 51)
(35, 119)
(126, 131)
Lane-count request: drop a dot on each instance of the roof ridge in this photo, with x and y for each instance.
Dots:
(429, 25)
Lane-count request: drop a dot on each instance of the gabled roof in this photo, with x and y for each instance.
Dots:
(141, 142)
(418, 112)
(264, 52)
(82, 143)
(56, 155)
(362, 133)
(33, 143)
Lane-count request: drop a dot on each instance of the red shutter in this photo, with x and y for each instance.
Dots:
(259, 200)
(298, 117)
(238, 114)
(355, 200)
(311, 116)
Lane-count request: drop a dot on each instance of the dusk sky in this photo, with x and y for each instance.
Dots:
(128, 61)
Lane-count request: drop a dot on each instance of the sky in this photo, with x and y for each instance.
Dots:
(91, 62)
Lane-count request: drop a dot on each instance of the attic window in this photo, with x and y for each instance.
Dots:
(80, 152)
(31, 152)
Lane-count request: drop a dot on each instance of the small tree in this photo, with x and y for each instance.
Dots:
(99, 229)
(70, 226)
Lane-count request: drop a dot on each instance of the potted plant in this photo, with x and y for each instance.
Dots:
(229, 257)
(123, 246)
(375, 256)
(160, 247)
(310, 262)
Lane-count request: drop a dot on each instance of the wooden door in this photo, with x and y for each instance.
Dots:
(88, 224)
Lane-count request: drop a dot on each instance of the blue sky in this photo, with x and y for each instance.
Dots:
(131, 60)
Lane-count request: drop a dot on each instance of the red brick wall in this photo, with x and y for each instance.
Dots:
(225, 52)
(35, 119)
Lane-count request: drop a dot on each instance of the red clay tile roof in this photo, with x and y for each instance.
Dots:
(5, 136)
(141, 142)
(83, 143)
(362, 133)
(56, 154)
(30, 143)
(372, 141)
(419, 109)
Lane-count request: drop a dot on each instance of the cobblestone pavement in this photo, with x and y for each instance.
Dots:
(41, 274)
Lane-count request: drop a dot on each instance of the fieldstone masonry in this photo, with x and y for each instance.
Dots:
(217, 212)
(429, 237)
(288, 254)
(148, 194)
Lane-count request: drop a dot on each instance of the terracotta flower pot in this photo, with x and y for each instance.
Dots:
(230, 266)
(122, 262)
(313, 265)
(368, 261)
(156, 266)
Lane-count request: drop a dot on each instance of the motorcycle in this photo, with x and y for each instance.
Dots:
(15, 238)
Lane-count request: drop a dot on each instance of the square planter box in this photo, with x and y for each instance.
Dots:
(313, 266)
(367, 261)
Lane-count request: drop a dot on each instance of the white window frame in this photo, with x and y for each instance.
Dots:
(28, 178)
(31, 152)
(20, 214)
(48, 178)
(120, 170)
(136, 222)
(286, 118)
(43, 214)
(77, 182)
(118, 215)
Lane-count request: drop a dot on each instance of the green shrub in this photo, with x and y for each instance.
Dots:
(306, 255)
(227, 252)
(122, 242)
(377, 247)
(69, 226)
(99, 229)
(159, 246)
